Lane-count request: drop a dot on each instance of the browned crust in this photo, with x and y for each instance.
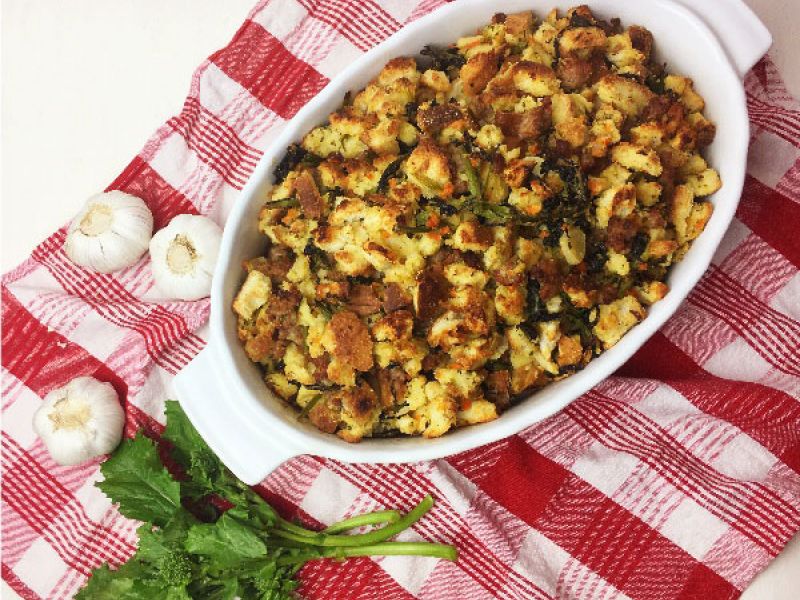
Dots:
(549, 277)
(400, 322)
(478, 72)
(332, 289)
(277, 327)
(360, 401)
(352, 342)
(574, 72)
(477, 234)
(570, 351)
(308, 195)
(435, 118)
(519, 23)
(530, 124)
(324, 415)
(621, 232)
(642, 40)
(320, 366)
(534, 70)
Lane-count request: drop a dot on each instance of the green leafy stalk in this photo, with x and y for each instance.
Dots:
(376, 518)
(285, 203)
(248, 551)
(385, 549)
(364, 539)
(473, 181)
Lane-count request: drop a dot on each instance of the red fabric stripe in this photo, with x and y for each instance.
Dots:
(771, 334)
(773, 420)
(236, 151)
(163, 332)
(703, 583)
(363, 23)
(260, 63)
(47, 360)
(140, 179)
(40, 500)
(770, 520)
(360, 578)
(789, 118)
(780, 122)
(587, 524)
(768, 125)
(16, 584)
(138, 420)
(67, 276)
(514, 470)
(215, 143)
(772, 216)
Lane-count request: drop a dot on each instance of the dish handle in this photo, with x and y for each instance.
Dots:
(742, 34)
(249, 453)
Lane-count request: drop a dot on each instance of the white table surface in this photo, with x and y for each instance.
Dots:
(85, 82)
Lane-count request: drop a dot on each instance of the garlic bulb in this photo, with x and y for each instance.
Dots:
(184, 254)
(80, 421)
(111, 232)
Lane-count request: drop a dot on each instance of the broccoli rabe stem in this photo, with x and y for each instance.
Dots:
(376, 518)
(364, 539)
(385, 549)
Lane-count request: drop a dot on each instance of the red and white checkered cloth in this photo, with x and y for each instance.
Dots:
(677, 478)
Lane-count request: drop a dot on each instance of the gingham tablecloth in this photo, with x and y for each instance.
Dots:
(677, 478)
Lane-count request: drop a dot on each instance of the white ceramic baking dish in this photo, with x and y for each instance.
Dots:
(713, 41)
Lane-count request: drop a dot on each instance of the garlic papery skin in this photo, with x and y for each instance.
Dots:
(80, 421)
(183, 256)
(111, 232)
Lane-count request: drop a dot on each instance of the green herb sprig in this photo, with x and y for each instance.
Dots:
(189, 548)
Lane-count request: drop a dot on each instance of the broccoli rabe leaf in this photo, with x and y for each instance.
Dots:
(181, 434)
(105, 584)
(207, 475)
(228, 542)
(137, 480)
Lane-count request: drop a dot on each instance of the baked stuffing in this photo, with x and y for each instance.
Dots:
(475, 224)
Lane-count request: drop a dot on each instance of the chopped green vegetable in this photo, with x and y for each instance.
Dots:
(493, 214)
(294, 154)
(414, 230)
(309, 407)
(536, 310)
(389, 172)
(285, 203)
(473, 181)
(317, 256)
(575, 321)
(444, 59)
(248, 551)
